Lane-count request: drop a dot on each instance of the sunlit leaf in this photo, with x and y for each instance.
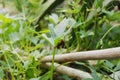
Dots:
(60, 28)
(5, 19)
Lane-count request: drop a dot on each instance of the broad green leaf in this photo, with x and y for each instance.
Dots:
(60, 28)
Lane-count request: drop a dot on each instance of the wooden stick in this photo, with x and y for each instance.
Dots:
(74, 73)
(111, 53)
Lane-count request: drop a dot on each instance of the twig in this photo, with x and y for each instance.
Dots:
(111, 53)
(74, 73)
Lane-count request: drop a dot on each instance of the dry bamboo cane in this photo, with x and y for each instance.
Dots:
(111, 53)
(74, 73)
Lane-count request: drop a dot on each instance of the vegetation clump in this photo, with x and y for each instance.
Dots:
(36, 34)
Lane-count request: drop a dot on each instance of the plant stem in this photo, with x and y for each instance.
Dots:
(52, 67)
(9, 66)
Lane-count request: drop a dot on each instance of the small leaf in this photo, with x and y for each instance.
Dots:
(109, 64)
(95, 76)
(117, 67)
(54, 18)
(36, 54)
(90, 33)
(77, 24)
(35, 39)
(83, 34)
(14, 37)
(50, 40)
(57, 41)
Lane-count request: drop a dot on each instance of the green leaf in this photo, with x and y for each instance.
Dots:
(50, 40)
(37, 46)
(117, 67)
(36, 54)
(90, 33)
(35, 40)
(5, 20)
(14, 37)
(57, 41)
(52, 31)
(95, 76)
(77, 24)
(109, 64)
(60, 28)
(86, 34)
(30, 73)
(54, 17)
(98, 3)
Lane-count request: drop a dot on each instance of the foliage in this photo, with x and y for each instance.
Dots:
(74, 25)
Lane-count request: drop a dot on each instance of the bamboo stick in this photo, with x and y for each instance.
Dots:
(74, 73)
(111, 53)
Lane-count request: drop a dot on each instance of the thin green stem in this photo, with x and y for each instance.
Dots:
(52, 67)
(9, 66)
(118, 25)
